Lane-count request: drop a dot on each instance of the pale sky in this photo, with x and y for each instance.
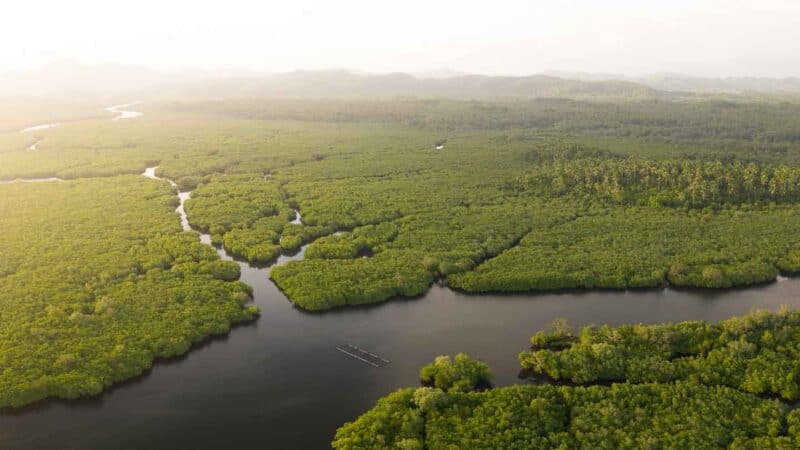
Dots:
(700, 37)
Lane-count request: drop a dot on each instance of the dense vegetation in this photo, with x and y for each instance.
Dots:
(245, 214)
(97, 280)
(548, 215)
(319, 284)
(685, 385)
(460, 374)
(624, 247)
(692, 183)
(524, 195)
(188, 148)
(765, 130)
(651, 415)
(756, 354)
(188, 142)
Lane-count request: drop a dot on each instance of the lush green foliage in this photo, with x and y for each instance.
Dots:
(234, 201)
(695, 183)
(519, 233)
(621, 247)
(317, 284)
(759, 353)
(245, 213)
(404, 255)
(395, 422)
(622, 416)
(687, 385)
(189, 148)
(763, 129)
(96, 281)
(336, 247)
(461, 374)
(646, 194)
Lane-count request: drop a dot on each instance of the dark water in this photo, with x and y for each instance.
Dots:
(280, 382)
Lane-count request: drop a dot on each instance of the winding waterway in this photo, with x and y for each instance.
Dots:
(280, 383)
(32, 180)
(118, 110)
(43, 126)
(34, 146)
(122, 113)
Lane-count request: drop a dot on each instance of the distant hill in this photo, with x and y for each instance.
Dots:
(70, 81)
(441, 74)
(675, 82)
(341, 83)
(735, 85)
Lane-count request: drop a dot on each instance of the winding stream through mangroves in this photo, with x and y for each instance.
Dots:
(41, 127)
(280, 383)
(122, 113)
(35, 144)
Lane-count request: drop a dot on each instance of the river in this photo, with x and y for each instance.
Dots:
(34, 146)
(32, 180)
(280, 383)
(122, 113)
(44, 126)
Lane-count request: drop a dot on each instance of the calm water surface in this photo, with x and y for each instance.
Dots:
(280, 383)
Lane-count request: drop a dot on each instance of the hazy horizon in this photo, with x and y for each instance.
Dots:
(711, 38)
(432, 72)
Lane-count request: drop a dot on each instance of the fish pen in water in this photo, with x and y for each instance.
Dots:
(363, 355)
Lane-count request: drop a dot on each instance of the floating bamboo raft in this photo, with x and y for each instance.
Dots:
(363, 355)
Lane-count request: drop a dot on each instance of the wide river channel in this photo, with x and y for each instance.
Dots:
(280, 383)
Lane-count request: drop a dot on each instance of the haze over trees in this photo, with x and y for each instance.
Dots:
(616, 191)
(526, 195)
(202, 245)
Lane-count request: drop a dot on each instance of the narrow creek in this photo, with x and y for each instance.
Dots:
(32, 180)
(118, 110)
(122, 113)
(279, 382)
(43, 126)
(205, 238)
